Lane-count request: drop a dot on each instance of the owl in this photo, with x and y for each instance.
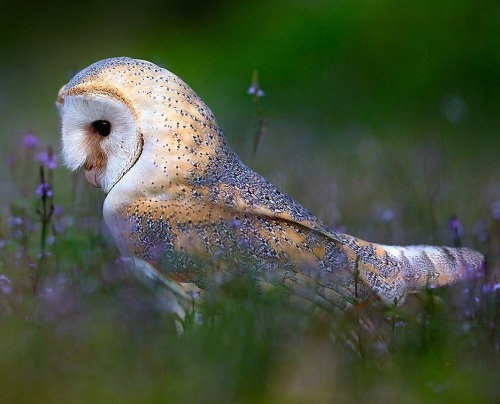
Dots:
(185, 209)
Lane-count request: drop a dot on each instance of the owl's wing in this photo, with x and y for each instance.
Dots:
(393, 271)
(191, 219)
(192, 226)
(371, 263)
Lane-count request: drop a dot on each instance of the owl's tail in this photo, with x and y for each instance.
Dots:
(393, 271)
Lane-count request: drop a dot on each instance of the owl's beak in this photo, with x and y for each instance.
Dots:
(92, 177)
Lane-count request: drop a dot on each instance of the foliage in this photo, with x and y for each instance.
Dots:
(75, 326)
(384, 123)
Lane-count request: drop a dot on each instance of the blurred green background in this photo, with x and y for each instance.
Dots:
(350, 85)
(326, 64)
(383, 118)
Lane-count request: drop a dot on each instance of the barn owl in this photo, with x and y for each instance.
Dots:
(181, 204)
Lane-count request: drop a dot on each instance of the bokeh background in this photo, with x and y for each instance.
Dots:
(372, 105)
(366, 100)
(382, 117)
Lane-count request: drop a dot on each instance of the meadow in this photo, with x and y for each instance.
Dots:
(382, 121)
(76, 326)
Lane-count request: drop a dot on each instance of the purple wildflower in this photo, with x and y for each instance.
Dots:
(495, 210)
(58, 210)
(491, 288)
(471, 273)
(234, 223)
(456, 226)
(51, 240)
(340, 229)
(48, 159)
(122, 260)
(243, 243)
(15, 221)
(456, 229)
(44, 191)
(5, 285)
(30, 141)
(388, 215)
(252, 89)
(195, 294)
(18, 226)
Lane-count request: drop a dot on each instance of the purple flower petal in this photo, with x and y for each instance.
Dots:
(495, 210)
(44, 191)
(5, 285)
(252, 89)
(30, 141)
(47, 159)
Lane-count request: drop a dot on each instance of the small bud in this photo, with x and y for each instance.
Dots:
(43, 190)
(251, 90)
(254, 88)
(48, 159)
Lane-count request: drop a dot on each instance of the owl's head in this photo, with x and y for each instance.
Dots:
(125, 117)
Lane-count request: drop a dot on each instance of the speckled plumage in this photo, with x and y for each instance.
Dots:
(181, 202)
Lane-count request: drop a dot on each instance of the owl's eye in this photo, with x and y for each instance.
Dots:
(101, 127)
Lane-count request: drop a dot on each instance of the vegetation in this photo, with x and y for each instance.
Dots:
(380, 118)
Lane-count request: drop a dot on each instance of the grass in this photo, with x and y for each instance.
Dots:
(385, 124)
(75, 326)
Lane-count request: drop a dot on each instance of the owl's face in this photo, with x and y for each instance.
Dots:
(128, 118)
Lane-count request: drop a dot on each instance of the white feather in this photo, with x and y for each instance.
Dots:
(120, 147)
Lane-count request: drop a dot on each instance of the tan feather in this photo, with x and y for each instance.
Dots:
(182, 203)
